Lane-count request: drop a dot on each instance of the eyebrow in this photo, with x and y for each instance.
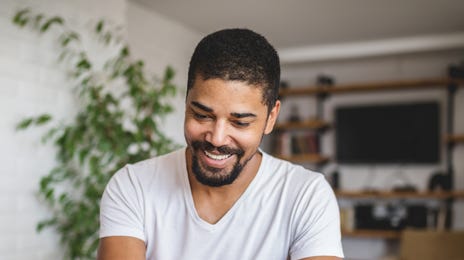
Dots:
(201, 106)
(210, 110)
(242, 115)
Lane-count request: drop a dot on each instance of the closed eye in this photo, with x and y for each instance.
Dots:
(241, 124)
(199, 116)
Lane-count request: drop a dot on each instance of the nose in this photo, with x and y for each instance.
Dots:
(218, 134)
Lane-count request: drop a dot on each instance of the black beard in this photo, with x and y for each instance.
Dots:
(216, 180)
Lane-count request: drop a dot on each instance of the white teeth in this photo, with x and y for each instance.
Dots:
(217, 157)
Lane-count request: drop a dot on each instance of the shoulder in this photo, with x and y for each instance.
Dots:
(312, 207)
(301, 188)
(295, 175)
(145, 172)
(162, 161)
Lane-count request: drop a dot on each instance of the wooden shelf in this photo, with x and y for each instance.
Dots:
(383, 234)
(377, 86)
(393, 195)
(320, 91)
(454, 138)
(306, 158)
(314, 124)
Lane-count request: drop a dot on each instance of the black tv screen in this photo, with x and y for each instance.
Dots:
(388, 133)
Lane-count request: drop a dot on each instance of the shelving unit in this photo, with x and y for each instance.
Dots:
(312, 158)
(383, 234)
(386, 195)
(314, 124)
(319, 125)
(395, 194)
(373, 86)
(454, 139)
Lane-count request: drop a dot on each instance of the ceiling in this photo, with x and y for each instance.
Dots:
(307, 23)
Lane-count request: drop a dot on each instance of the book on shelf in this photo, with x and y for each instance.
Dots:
(287, 143)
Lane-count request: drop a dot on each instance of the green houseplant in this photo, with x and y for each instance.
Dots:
(117, 122)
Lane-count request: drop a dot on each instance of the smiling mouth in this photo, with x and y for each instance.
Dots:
(217, 157)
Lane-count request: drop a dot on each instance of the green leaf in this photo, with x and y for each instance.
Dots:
(42, 224)
(169, 73)
(37, 20)
(125, 51)
(107, 37)
(49, 194)
(44, 183)
(83, 64)
(63, 198)
(25, 123)
(69, 37)
(83, 155)
(43, 119)
(99, 26)
(49, 134)
(50, 22)
(20, 18)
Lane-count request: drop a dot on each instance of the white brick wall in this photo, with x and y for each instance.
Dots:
(31, 83)
(163, 42)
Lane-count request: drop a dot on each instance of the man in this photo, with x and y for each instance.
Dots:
(221, 197)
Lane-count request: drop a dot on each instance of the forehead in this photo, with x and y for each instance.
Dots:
(226, 92)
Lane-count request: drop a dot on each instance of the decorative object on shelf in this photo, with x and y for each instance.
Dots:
(118, 116)
(288, 144)
(335, 180)
(396, 215)
(347, 219)
(439, 182)
(284, 84)
(294, 114)
(456, 70)
(421, 214)
(325, 80)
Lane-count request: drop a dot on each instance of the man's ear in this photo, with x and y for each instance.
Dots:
(272, 118)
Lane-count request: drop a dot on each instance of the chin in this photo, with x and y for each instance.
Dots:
(215, 177)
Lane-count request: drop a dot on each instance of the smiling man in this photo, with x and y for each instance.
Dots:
(221, 197)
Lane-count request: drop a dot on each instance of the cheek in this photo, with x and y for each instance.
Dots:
(250, 139)
(192, 129)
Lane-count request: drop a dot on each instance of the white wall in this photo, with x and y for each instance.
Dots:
(31, 83)
(413, 66)
(161, 42)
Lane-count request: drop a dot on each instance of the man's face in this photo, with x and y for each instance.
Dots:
(224, 125)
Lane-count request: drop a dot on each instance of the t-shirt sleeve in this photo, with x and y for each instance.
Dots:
(317, 229)
(121, 207)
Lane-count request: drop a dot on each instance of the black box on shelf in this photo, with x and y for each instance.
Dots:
(390, 216)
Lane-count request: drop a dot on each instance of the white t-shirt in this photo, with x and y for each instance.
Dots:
(286, 211)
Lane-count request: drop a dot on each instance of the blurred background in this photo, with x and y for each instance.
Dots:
(416, 47)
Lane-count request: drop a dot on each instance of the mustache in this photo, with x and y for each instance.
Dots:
(207, 146)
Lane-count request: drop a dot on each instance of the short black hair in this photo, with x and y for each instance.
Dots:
(237, 54)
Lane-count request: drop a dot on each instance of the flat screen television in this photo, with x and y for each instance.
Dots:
(388, 133)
